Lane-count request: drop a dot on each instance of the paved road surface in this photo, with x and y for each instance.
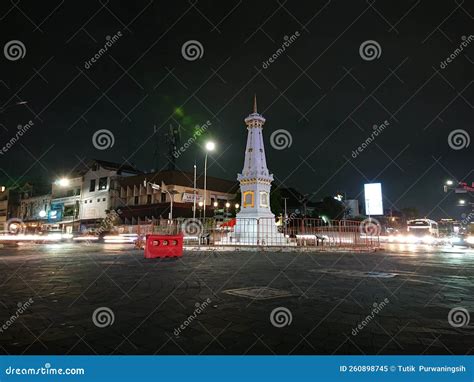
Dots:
(406, 291)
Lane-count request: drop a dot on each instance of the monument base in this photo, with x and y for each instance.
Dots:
(252, 231)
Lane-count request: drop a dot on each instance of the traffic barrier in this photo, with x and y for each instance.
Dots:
(163, 246)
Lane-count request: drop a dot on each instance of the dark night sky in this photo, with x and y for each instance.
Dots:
(143, 77)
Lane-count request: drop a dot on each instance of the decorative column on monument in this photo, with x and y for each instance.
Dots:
(255, 223)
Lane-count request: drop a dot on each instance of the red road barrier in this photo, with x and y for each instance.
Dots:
(163, 246)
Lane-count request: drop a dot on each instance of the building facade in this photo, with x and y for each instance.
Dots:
(100, 190)
(140, 204)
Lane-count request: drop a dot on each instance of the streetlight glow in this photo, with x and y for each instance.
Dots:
(227, 205)
(462, 202)
(210, 146)
(63, 182)
(449, 182)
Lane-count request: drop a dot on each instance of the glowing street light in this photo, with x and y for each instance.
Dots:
(237, 205)
(216, 204)
(210, 146)
(449, 182)
(63, 182)
(462, 202)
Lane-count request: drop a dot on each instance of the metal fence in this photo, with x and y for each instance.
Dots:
(264, 232)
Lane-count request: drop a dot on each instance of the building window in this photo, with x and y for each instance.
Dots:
(103, 183)
(248, 199)
(78, 191)
(103, 199)
(163, 198)
(135, 200)
(264, 199)
(98, 200)
(92, 185)
(148, 199)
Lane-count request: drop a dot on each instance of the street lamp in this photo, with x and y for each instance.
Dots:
(157, 187)
(449, 182)
(237, 205)
(63, 182)
(210, 146)
(2, 109)
(66, 182)
(200, 204)
(462, 202)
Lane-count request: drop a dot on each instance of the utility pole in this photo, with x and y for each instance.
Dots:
(194, 193)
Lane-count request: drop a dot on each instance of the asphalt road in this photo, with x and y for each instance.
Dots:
(196, 304)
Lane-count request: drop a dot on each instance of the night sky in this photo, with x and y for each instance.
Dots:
(320, 90)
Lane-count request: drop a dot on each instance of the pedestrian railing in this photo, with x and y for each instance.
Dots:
(265, 232)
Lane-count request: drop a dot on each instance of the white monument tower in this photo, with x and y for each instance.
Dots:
(255, 223)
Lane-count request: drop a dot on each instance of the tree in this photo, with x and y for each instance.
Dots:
(331, 208)
(275, 201)
(410, 213)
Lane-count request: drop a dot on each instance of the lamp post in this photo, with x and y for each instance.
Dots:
(194, 193)
(2, 109)
(200, 209)
(210, 146)
(157, 187)
(65, 182)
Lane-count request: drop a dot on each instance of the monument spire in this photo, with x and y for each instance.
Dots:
(255, 103)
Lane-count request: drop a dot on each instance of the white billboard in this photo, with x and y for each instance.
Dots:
(373, 199)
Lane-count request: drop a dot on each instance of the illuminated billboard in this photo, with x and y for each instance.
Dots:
(373, 199)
